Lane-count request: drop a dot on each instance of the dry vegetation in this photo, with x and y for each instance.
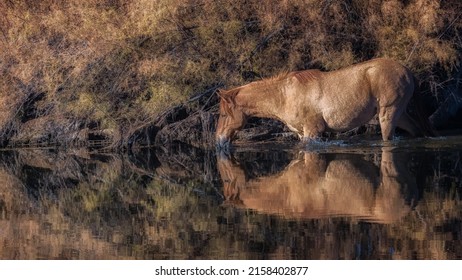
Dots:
(80, 70)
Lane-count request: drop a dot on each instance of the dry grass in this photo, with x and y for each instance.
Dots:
(114, 65)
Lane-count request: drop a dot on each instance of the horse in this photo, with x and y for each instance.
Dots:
(311, 102)
(312, 187)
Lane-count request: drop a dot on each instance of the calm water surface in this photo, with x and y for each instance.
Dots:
(333, 200)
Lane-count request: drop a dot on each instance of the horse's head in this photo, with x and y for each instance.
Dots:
(231, 118)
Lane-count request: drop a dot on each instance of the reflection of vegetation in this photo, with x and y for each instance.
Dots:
(105, 207)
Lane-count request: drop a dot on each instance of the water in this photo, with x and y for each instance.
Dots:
(330, 200)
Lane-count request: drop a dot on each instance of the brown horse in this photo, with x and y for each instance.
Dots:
(311, 187)
(311, 102)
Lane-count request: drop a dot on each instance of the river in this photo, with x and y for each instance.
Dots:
(327, 200)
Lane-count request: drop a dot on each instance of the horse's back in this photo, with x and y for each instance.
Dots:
(381, 78)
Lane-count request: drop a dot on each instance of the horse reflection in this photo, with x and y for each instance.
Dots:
(312, 187)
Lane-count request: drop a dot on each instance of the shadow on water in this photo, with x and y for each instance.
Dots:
(333, 200)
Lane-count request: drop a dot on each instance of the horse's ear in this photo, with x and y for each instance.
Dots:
(227, 96)
(221, 93)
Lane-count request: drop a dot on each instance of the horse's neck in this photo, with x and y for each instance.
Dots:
(261, 103)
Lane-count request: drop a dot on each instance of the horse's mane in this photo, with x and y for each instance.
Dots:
(271, 80)
(303, 77)
(307, 76)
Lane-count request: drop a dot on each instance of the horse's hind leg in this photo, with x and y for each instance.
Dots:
(392, 114)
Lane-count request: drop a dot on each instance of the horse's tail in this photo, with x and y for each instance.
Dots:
(422, 114)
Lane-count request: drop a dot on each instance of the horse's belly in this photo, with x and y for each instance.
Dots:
(349, 118)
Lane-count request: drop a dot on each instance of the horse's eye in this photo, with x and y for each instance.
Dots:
(223, 115)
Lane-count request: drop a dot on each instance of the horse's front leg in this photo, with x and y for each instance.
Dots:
(313, 130)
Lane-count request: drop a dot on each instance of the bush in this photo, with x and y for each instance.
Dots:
(117, 64)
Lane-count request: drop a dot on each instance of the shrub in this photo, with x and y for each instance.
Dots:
(132, 59)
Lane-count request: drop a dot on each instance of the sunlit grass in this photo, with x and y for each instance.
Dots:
(133, 59)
